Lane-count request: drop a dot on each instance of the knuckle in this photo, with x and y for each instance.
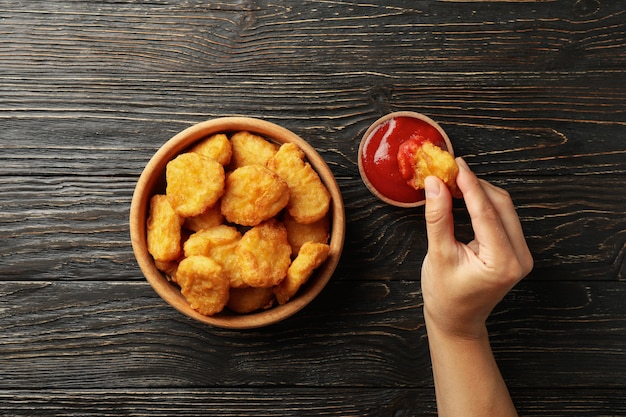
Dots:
(528, 263)
(516, 269)
(434, 215)
(488, 214)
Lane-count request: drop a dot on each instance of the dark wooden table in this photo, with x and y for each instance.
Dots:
(532, 93)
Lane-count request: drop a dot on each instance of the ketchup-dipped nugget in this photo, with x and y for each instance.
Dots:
(420, 161)
(264, 254)
(163, 230)
(203, 284)
(309, 200)
(310, 257)
(194, 183)
(253, 194)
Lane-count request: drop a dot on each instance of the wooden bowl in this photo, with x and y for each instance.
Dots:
(152, 181)
(427, 121)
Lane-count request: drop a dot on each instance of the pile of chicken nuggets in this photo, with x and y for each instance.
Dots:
(243, 223)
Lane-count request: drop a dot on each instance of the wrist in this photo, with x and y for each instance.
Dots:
(453, 328)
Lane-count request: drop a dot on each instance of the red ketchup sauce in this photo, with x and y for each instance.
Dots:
(380, 155)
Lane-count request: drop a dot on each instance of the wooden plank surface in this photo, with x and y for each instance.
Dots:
(532, 94)
(362, 333)
(295, 402)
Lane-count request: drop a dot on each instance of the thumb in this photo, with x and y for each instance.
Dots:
(438, 214)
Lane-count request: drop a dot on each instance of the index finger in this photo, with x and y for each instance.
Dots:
(503, 204)
(489, 232)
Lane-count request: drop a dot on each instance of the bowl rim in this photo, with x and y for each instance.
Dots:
(152, 174)
(375, 125)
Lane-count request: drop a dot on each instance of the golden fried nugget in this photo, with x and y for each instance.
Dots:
(309, 199)
(298, 233)
(203, 285)
(432, 160)
(250, 299)
(264, 254)
(226, 255)
(250, 149)
(194, 183)
(169, 268)
(216, 146)
(210, 218)
(310, 257)
(253, 194)
(163, 230)
(219, 243)
(203, 241)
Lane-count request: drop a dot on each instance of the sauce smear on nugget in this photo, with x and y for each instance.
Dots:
(380, 155)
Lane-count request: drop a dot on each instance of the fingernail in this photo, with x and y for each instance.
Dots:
(462, 164)
(431, 187)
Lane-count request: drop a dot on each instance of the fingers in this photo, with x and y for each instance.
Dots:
(439, 220)
(495, 222)
(510, 221)
(485, 219)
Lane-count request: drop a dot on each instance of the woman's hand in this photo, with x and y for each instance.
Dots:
(462, 283)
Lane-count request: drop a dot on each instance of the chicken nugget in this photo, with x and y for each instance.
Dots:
(309, 199)
(218, 243)
(298, 233)
(194, 183)
(203, 241)
(250, 149)
(432, 160)
(253, 194)
(418, 161)
(163, 230)
(310, 257)
(216, 146)
(226, 255)
(250, 299)
(264, 254)
(210, 218)
(203, 285)
(169, 268)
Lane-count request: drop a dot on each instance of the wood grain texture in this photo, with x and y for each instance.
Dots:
(569, 175)
(318, 35)
(357, 402)
(532, 94)
(361, 333)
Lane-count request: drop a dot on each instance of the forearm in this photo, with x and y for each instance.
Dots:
(467, 379)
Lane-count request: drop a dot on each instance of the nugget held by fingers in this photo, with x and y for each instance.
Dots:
(418, 161)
